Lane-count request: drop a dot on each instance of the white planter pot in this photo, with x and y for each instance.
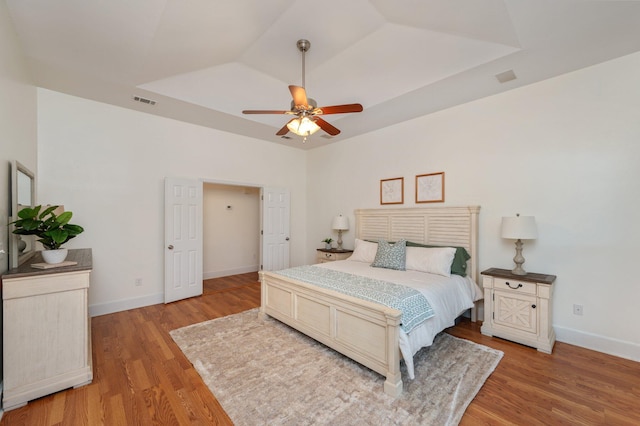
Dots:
(327, 246)
(54, 256)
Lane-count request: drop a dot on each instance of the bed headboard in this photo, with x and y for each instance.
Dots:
(442, 226)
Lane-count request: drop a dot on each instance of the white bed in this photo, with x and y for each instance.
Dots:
(368, 332)
(449, 297)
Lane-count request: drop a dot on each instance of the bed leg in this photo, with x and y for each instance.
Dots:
(393, 386)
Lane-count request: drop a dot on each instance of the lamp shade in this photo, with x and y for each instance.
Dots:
(519, 228)
(340, 223)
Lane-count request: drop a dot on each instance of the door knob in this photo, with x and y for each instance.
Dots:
(170, 247)
(287, 238)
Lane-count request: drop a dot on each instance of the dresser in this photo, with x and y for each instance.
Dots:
(46, 329)
(519, 307)
(330, 255)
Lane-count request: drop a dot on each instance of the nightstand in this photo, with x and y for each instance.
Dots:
(329, 255)
(519, 307)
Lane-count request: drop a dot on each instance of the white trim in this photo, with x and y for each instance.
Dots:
(125, 304)
(596, 342)
(228, 272)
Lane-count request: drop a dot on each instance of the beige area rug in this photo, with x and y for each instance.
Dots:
(265, 373)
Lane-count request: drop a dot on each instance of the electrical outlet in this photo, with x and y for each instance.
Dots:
(138, 282)
(577, 309)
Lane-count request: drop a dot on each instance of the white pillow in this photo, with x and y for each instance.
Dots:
(435, 260)
(364, 251)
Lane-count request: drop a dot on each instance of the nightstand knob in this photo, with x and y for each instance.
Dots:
(533, 306)
(514, 288)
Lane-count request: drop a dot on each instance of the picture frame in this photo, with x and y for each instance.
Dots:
(392, 191)
(430, 188)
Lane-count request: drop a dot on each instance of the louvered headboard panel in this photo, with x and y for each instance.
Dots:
(442, 226)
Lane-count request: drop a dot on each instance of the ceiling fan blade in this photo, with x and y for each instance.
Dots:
(341, 109)
(299, 96)
(326, 126)
(264, 111)
(284, 130)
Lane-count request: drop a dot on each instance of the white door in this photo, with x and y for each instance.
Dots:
(182, 238)
(275, 208)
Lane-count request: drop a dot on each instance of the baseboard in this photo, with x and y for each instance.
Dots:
(607, 345)
(227, 272)
(154, 299)
(125, 304)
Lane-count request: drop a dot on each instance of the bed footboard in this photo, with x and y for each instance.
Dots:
(366, 332)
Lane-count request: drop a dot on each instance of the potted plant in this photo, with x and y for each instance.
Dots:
(327, 243)
(51, 230)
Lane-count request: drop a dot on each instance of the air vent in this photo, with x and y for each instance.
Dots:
(144, 100)
(503, 77)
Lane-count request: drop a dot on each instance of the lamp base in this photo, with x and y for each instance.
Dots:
(518, 260)
(339, 239)
(518, 271)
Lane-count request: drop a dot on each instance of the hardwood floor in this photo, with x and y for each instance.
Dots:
(142, 378)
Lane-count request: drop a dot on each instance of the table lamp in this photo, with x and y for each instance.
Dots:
(340, 223)
(519, 228)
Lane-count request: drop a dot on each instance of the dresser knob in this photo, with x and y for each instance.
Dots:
(533, 306)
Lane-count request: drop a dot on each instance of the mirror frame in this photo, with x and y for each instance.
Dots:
(16, 258)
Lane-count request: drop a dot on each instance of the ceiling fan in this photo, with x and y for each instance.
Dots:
(307, 120)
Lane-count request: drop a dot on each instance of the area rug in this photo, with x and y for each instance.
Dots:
(265, 373)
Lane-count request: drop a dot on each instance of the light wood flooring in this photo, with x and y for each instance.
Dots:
(142, 378)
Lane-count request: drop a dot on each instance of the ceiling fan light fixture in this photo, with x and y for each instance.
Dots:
(303, 126)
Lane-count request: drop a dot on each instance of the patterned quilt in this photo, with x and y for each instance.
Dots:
(414, 306)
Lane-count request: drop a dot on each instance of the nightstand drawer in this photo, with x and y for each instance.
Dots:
(326, 256)
(514, 285)
(329, 255)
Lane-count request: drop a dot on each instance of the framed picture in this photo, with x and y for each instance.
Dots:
(430, 188)
(392, 191)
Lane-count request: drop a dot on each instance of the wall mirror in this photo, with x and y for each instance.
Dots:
(23, 194)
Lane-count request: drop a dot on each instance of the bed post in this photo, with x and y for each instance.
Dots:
(393, 382)
(473, 244)
(263, 295)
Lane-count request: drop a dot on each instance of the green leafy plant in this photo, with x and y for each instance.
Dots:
(327, 240)
(50, 229)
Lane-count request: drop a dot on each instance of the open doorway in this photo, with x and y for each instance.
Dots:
(231, 230)
(238, 229)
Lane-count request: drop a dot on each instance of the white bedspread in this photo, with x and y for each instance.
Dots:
(449, 297)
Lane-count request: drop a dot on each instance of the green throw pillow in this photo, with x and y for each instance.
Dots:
(391, 256)
(459, 265)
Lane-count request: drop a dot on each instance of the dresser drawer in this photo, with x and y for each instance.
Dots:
(514, 285)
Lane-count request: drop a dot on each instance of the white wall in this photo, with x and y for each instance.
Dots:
(17, 120)
(566, 150)
(107, 165)
(231, 230)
